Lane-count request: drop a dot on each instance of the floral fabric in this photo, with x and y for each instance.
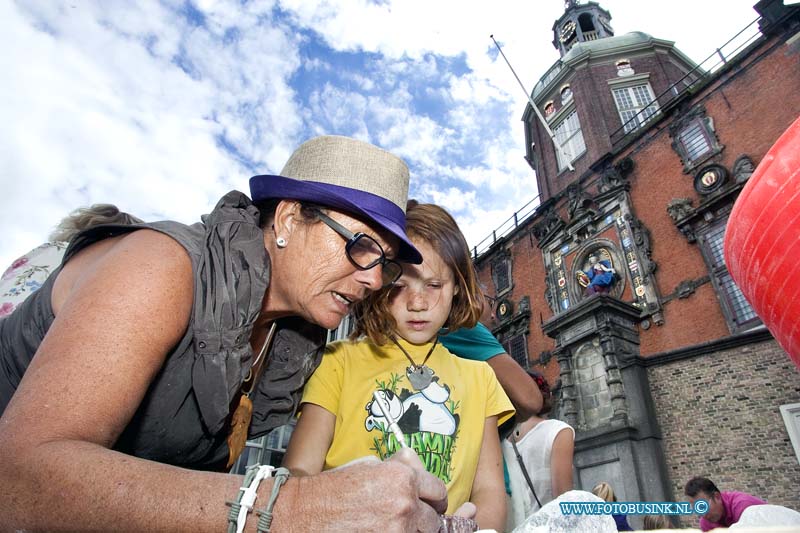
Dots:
(26, 275)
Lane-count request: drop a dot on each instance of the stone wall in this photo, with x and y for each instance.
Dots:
(719, 415)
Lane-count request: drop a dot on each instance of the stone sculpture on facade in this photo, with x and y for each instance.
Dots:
(743, 168)
(597, 276)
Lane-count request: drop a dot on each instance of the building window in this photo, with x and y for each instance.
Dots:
(791, 417)
(694, 141)
(735, 307)
(517, 348)
(501, 272)
(569, 136)
(566, 94)
(549, 109)
(694, 138)
(266, 450)
(636, 105)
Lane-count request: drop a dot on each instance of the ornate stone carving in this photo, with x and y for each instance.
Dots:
(524, 305)
(549, 296)
(688, 232)
(579, 202)
(615, 176)
(641, 236)
(568, 401)
(547, 226)
(679, 208)
(743, 168)
(686, 288)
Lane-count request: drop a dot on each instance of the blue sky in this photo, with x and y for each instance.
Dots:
(162, 106)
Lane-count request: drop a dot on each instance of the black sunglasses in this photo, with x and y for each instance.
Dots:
(364, 251)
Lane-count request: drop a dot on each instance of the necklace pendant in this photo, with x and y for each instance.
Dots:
(419, 376)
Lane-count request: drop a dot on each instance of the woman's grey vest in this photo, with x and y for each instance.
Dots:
(183, 418)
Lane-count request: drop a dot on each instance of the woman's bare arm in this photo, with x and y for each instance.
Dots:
(561, 462)
(311, 440)
(117, 319)
(488, 488)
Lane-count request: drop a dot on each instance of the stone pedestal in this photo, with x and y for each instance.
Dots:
(606, 397)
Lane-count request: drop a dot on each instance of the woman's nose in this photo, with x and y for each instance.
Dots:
(372, 278)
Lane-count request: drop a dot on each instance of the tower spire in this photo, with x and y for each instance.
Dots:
(580, 23)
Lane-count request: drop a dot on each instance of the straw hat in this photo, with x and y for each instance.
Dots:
(348, 175)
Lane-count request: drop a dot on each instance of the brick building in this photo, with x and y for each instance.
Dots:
(615, 285)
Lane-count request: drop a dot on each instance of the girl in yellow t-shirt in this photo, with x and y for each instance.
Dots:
(447, 408)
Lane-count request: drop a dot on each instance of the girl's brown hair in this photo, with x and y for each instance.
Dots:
(434, 225)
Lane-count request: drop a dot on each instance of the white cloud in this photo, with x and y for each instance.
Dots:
(101, 115)
(140, 105)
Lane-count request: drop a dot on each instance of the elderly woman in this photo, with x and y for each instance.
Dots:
(130, 379)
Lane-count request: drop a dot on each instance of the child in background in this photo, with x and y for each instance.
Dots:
(603, 490)
(543, 449)
(655, 521)
(448, 408)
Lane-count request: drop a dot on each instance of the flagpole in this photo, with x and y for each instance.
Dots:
(558, 146)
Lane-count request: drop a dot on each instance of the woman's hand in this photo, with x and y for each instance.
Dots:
(391, 496)
(431, 489)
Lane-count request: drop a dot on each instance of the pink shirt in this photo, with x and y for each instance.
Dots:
(733, 503)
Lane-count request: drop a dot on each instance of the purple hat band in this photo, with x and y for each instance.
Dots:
(373, 208)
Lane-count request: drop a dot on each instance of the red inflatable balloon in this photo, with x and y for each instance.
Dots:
(762, 241)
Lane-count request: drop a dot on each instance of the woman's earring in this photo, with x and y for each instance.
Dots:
(281, 242)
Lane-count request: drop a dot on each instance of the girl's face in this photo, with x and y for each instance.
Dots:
(421, 299)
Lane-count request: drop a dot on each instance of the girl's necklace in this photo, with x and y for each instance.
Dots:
(420, 376)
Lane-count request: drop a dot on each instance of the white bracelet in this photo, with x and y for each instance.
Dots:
(248, 498)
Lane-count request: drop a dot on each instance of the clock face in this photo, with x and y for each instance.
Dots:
(710, 179)
(567, 31)
(504, 310)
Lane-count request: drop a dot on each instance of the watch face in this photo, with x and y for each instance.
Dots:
(567, 31)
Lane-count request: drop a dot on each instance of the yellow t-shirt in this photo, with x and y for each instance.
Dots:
(443, 423)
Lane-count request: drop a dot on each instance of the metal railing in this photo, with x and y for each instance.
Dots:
(699, 74)
(696, 76)
(514, 221)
